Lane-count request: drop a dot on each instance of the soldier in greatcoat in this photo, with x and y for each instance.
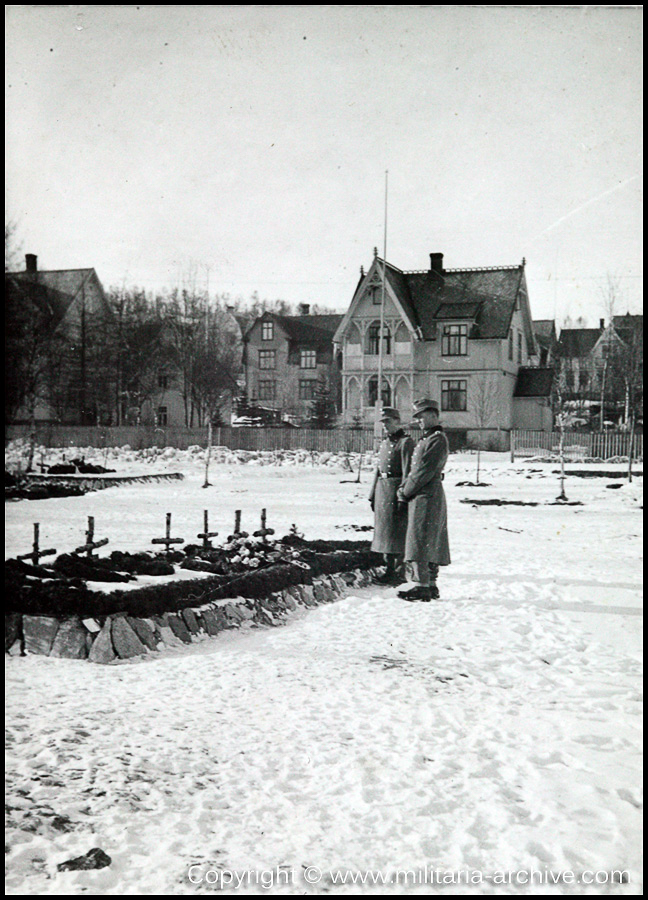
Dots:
(390, 514)
(426, 542)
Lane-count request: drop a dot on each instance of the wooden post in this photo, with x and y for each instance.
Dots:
(209, 445)
(35, 553)
(90, 543)
(631, 446)
(512, 433)
(168, 540)
(206, 533)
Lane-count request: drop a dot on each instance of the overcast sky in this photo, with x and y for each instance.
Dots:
(251, 143)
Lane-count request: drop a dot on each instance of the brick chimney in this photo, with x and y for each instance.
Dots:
(304, 309)
(601, 324)
(436, 263)
(31, 263)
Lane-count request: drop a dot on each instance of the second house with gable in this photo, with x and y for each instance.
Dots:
(464, 337)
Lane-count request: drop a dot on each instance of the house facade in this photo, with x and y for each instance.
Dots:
(461, 336)
(70, 310)
(601, 369)
(172, 403)
(285, 358)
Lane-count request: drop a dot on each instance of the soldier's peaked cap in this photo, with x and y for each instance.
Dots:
(421, 405)
(389, 412)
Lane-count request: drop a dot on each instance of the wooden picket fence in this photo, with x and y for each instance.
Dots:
(578, 445)
(335, 440)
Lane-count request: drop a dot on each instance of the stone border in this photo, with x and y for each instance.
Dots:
(120, 637)
(99, 482)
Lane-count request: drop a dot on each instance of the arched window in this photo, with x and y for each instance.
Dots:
(373, 339)
(372, 392)
(353, 395)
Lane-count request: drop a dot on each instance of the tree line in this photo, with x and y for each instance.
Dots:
(105, 366)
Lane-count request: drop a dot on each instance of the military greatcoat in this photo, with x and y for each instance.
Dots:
(427, 521)
(391, 515)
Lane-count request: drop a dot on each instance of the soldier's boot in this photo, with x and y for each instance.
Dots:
(393, 574)
(434, 574)
(422, 593)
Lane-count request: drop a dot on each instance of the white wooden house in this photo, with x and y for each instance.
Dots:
(464, 337)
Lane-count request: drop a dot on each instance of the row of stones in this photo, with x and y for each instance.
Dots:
(123, 637)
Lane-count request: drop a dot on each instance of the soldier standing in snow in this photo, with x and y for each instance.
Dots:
(426, 544)
(391, 514)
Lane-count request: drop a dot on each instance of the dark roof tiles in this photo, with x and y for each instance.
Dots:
(490, 294)
(578, 342)
(312, 329)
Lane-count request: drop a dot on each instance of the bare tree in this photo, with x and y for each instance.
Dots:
(34, 351)
(611, 297)
(561, 418)
(484, 404)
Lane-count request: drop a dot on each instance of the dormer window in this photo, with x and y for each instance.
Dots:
(454, 341)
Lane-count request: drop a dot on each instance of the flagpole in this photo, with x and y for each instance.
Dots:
(378, 426)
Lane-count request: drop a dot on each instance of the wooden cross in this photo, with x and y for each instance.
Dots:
(36, 553)
(206, 534)
(263, 531)
(168, 540)
(90, 544)
(237, 527)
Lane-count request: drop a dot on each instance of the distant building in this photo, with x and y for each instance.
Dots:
(169, 404)
(595, 364)
(71, 307)
(286, 357)
(546, 339)
(464, 337)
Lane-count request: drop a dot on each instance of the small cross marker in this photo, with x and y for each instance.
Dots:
(263, 531)
(168, 540)
(36, 553)
(206, 533)
(237, 527)
(90, 543)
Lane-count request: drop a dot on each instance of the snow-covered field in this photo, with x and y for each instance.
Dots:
(495, 731)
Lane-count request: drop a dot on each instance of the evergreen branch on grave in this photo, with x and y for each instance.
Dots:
(53, 596)
(43, 490)
(88, 569)
(138, 563)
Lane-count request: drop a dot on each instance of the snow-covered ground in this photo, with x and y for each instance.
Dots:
(495, 731)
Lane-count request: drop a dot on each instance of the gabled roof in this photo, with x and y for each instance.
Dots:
(311, 329)
(545, 331)
(533, 382)
(488, 296)
(54, 289)
(627, 327)
(578, 342)
(304, 329)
